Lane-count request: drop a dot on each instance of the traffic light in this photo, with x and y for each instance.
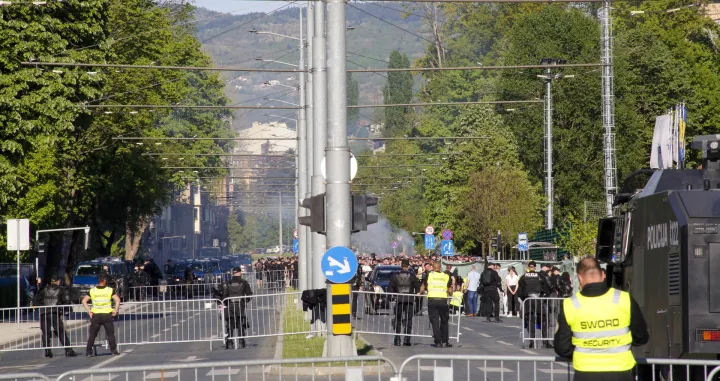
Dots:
(316, 219)
(360, 218)
(41, 248)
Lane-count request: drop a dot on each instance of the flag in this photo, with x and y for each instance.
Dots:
(675, 142)
(660, 154)
(681, 134)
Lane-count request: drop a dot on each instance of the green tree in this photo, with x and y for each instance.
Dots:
(578, 237)
(501, 198)
(397, 91)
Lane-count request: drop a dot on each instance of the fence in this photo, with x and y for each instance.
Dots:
(540, 368)
(539, 318)
(330, 368)
(381, 316)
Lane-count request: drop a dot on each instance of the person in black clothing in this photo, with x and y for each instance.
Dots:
(404, 282)
(234, 309)
(534, 285)
(153, 272)
(566, 288)
(592, 282)
(139, 280)
(51, 318)
(423, 279)
(491, 284)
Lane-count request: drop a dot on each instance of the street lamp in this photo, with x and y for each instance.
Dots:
(267, 83)
(280, 62)
(254, 31)
(281, 101)
(548, 78)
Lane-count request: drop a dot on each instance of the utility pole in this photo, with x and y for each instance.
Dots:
(280, 232)
(301, 168)
(608, 107)
(548, 78)
(310, 125)
(320, 122)
(337, 208)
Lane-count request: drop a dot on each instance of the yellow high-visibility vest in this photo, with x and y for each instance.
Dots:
(101, 300)
(457, 298)
(601, 331)
(437, 285)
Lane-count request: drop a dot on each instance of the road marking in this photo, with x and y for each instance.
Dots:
(24, 367)
(129, 350)
(175, 325)
(503, 343)
(108, 361)
(495, 369)
(511, 326)
(467, 329)
(528, 351)
(223, 372)
(166, 329)
(556, 371)
(182, 321)
(155, 336)
(484, 334)
(104, 377)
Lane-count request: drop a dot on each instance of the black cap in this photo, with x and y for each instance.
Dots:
(103, 276)
(532, 264)
(237, 270)
(405, 262)
(55, 278)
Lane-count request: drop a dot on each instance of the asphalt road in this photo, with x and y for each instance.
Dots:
(155, 324)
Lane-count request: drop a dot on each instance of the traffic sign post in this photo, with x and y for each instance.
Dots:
(296, 246)
(339, 264)
(429, 242)
(18, 239)
(429, 230)
(523, 245)
(446, 248)
(394, 246)
(447, 234)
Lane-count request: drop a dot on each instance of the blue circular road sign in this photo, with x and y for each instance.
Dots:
(339, 264)
(394, 245)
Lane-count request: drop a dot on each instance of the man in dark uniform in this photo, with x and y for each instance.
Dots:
(234, 310)
(357, 285)
(599, 353)
(51, 317)
(534, 285)
(404, 282)
(491, 283)
(139, 280)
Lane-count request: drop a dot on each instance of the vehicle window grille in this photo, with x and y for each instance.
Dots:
(674, 274)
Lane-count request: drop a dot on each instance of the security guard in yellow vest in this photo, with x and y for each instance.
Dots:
(597, 327)
(101, 313)
(439, 288)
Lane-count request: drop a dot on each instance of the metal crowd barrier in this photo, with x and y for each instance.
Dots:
(65, 326)
(539, 319)
(330, 368)
(378, 315)
(24, 377)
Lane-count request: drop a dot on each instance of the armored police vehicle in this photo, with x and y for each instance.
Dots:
(663, 247)
(86, 275)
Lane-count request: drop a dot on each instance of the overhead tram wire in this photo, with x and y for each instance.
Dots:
(265, 107)
(166, 138)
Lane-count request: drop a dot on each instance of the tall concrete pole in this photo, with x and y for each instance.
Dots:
(309, 117)
(301, 170)
(548, 150)
(320, 109)
(337, 204)
(280, 231)
(608, 107)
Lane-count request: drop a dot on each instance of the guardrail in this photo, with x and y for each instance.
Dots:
(381, 314)
(539, 319)
(329, 368)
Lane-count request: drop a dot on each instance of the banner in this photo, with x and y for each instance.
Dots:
(661, 149)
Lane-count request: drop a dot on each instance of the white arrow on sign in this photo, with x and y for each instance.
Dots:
(190, 359)
(344, 267)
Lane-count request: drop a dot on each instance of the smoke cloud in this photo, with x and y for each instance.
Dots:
(379, 236)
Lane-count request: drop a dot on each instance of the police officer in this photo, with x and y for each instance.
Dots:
(139, 280)
(533, 285)
(51, 318)
(439, 288)
(597, 326)
(234, 309)
(404, 282)
(491, 286)
(101, 313)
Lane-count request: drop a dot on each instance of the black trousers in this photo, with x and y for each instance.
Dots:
(604, 376)
(97, 321)
(439, 314)
(512, 301)
(235, 320)
(534, 315)
(50, 322)
(493, 297)
(353, 304)
(403, 318)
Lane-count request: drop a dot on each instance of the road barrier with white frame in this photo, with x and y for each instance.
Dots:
(378, 315)
(329, 368)
(539, 319)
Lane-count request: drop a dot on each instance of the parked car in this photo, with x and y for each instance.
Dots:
(378, 281)
(86, 273)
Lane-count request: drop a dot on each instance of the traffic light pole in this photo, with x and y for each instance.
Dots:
(320, 114)
(306, 241)
(337, 210)
(301, 167)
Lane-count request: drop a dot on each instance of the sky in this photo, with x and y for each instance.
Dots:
(239, 7)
